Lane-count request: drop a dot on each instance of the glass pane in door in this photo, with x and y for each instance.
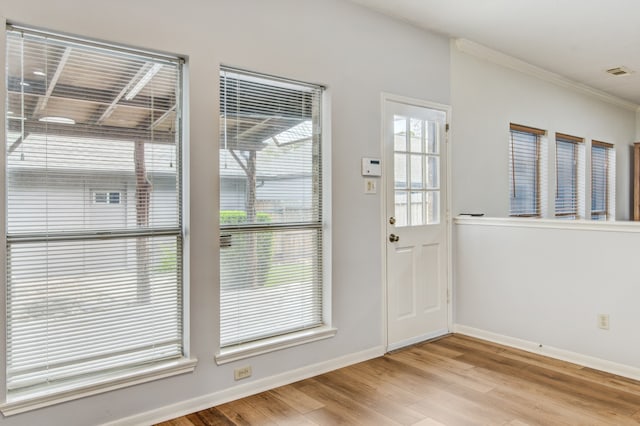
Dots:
(415, 132)
(433, 207)
(399, 133)
(433, 172)
(417, 208)
(401, 210)
(417, 170)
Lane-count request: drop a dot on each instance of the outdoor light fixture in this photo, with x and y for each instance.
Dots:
(59, 120)
(143, 82)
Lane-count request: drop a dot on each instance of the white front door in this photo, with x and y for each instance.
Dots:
(416, 222)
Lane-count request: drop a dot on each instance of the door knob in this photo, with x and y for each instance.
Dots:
(394, 238)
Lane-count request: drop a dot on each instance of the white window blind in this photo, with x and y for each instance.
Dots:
(569, 200)
(270, 207)
(94, 224)
(603, 172)
(526, 171)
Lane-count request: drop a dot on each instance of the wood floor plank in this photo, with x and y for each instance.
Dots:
(596, 394)
(276, 410)
(181, 421)
(433, 348)
(441, 369)
(564, 386)
(301, 402)
(455, 380)
(195, 420)
(327, 417)
(389, 389)
(463, 407)
(348, 408)
(412, 379)
(428, 422)
(213, 417)
(370, 397)
(517, 423)
(432, 353)
(243, 414)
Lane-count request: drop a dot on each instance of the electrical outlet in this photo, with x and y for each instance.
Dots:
(242, 372)
(603, 321)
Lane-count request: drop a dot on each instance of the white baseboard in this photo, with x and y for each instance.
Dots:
(561, 354)
(206, 401)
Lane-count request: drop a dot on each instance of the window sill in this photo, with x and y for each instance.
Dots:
(259, 347)
(577, 224)
(37, 399)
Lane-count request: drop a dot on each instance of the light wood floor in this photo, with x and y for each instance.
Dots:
(456, 380)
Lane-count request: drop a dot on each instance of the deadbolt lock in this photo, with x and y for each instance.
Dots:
(392, 220)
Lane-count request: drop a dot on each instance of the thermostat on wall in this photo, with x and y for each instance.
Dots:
(371, 167)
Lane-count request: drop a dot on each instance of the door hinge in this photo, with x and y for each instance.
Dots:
(446, 127)
(447, 296)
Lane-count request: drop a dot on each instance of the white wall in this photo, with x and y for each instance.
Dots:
(525, 281)
(486, 97)
(357, 54)
(541, 284)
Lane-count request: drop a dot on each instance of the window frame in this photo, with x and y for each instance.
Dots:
(609, 212)
(539, 159)
(578, 176)
(109, 197)
(233, 352)
(121, 378)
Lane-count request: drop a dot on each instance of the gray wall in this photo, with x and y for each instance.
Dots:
(357, 54)
(539, 284)
(546, 285)
(486, 97)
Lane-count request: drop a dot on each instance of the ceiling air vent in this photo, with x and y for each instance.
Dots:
(619, 71)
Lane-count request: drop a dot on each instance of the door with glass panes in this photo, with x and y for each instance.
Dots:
(416, 224)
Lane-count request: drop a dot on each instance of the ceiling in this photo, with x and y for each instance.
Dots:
(578, 39)
(73, 89)
(69, 89)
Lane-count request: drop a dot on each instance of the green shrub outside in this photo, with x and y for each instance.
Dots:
(240, 242)
(236, 217)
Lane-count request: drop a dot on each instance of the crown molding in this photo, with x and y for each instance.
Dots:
(499, 58)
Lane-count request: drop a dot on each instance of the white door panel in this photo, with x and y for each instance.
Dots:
(429, 277)
(417, 252)
(406, 291)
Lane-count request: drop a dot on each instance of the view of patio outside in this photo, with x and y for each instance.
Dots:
(270, 209)
(94, 227)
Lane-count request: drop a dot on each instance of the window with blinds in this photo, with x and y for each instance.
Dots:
(603, 172)
(569, 199)
(94, 224)
(270, 207)
(526, 174)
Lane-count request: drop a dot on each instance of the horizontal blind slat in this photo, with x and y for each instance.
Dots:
(270, 177)
(569, 198)
(602, 181)
(94, 220)
(525, 176)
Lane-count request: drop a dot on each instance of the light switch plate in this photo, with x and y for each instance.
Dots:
(370, 186)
